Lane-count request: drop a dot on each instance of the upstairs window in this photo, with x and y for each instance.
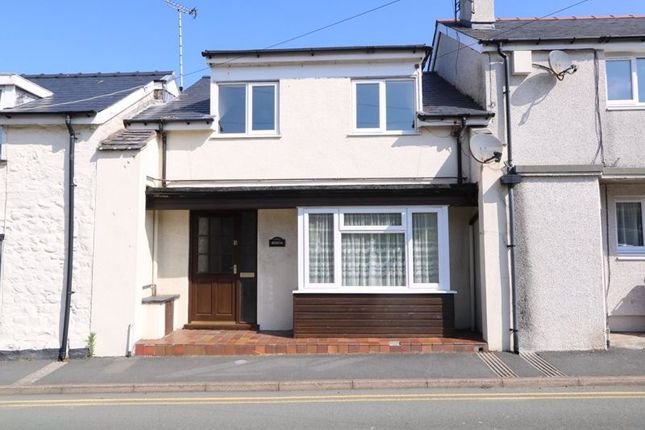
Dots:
(626, 81)
(248, 108)
(384, 105)
(629, 226)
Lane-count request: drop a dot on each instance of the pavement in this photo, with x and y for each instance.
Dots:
(617, 366)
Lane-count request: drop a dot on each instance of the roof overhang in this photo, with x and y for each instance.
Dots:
(335, 55)
(170, 124)
(279, 197)
(606, 43)
(443, 120)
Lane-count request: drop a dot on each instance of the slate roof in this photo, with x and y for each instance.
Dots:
(84, 92)
(191, 105)
(599, 29)
(127, 140)
(442, 99)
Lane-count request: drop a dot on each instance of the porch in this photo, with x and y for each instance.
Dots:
(246, 342)
(239, 267)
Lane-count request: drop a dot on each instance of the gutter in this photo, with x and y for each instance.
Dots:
(62, 353)
(510, 179)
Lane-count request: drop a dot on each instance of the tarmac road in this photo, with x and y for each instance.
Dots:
(577, 407)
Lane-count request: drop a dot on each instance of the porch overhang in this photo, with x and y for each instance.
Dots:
(289, 196)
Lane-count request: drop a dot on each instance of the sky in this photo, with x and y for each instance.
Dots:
(68, 36)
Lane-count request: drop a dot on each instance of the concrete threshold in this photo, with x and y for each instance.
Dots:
(322, 385)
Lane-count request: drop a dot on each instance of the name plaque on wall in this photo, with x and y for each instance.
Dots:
(277, 241)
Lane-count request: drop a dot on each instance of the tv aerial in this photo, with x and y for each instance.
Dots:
(181, 10)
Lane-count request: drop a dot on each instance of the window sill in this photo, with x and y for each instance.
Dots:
(383, 291)
(244, 136)
(626, 107)
(382, 133)
(630, 257)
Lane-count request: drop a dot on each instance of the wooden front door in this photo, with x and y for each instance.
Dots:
(214, 268)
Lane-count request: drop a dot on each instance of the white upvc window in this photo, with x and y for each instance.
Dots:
(630, 219)
(248, 108)
(625, 81)
(375, 249)
(384, 106)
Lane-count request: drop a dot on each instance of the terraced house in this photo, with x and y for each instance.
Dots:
(491, 183)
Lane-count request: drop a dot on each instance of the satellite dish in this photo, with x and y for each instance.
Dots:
(485, 147)
(560, 64)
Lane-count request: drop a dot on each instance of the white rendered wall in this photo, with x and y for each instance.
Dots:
(277, 268)
(33, 275)
(172, 259)
(315, 141)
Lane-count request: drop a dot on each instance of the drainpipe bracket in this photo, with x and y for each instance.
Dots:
(511, 179)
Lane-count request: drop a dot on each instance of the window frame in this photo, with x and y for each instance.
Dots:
(634, 101)
(622, 249)
(382, 129)
(248, 108)
(410, 287)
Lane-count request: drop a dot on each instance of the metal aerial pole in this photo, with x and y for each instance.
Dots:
(180, 11)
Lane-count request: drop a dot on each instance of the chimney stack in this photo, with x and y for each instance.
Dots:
(477, 13)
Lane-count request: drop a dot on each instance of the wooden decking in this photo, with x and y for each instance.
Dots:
(237, 342)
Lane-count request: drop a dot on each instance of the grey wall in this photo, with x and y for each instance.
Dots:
(460, 264)
(559, 265)
(463, 67)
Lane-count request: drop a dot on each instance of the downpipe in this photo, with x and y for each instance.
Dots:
(511, 198)
(62, 353)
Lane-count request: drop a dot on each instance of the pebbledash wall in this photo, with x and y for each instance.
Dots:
(555, 123)
(34, 221)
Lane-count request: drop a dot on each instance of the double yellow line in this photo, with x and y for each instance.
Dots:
(337, 398)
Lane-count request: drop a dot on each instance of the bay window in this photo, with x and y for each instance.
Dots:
(374, 249)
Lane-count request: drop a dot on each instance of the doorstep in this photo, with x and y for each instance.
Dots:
(237, 342)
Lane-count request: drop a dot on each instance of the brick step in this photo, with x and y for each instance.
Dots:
(230, 342)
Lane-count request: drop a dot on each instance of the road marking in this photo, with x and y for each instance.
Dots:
(40, 373)
(170, 401)
(540, 364)
(496, 364)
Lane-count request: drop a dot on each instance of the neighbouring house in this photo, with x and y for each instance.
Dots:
(41, 116)
(493, 182)
(576, 172)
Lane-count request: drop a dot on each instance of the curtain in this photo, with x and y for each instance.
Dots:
(374, 259)
(629, 219)
(425, 248)
(376, 219)
(321, 248)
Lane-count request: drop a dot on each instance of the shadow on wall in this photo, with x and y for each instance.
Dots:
(633, 304)
(532, 92)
